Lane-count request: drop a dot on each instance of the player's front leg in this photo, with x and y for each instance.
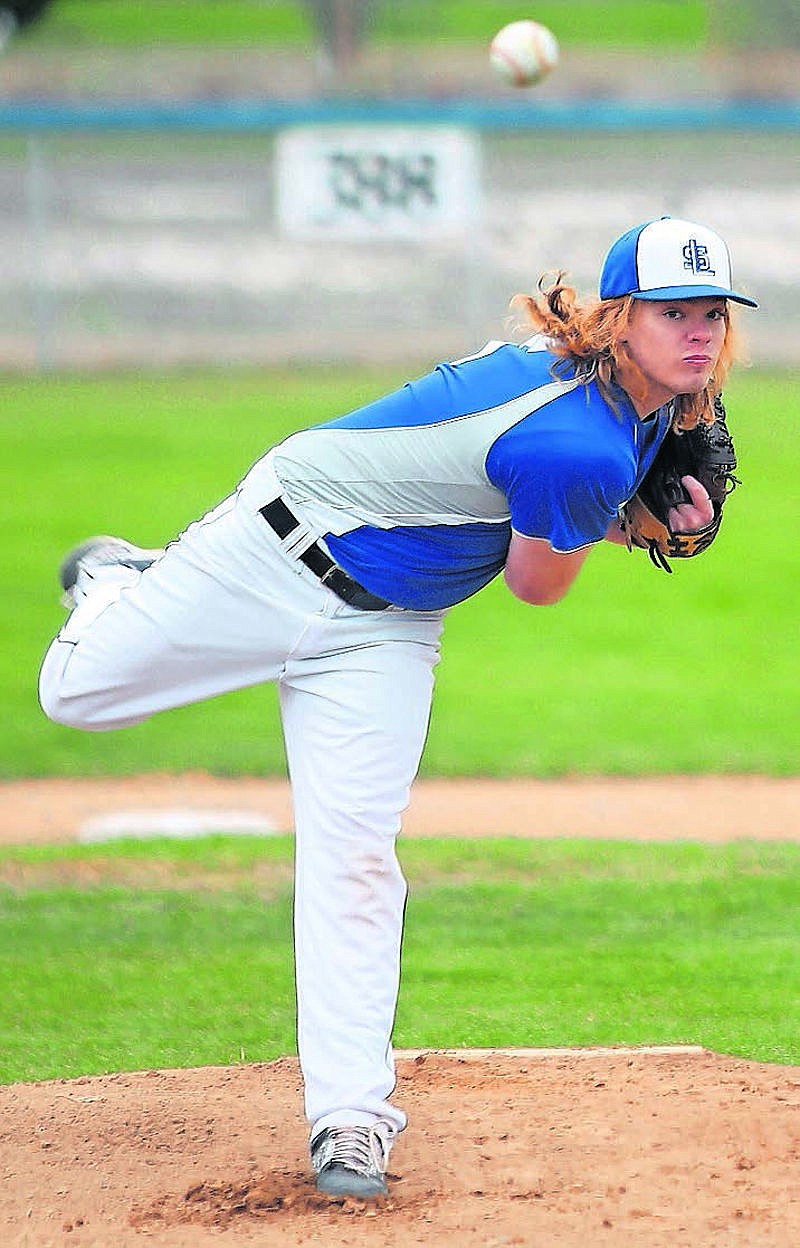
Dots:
(355, 722)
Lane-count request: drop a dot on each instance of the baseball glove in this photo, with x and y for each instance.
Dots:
(705, 453)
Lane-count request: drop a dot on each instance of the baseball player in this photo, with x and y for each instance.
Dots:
(330, 570)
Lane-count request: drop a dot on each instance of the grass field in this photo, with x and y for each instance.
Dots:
(680, 24)
(179, 954)
(163, 954)
(634, 672)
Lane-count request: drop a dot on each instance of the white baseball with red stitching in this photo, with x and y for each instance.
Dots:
(523, 53)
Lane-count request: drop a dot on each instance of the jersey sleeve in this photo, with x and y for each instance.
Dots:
(564, 489)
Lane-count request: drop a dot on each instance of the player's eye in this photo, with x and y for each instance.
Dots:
(716, 314)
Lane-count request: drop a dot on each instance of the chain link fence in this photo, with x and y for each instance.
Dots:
(154, 250)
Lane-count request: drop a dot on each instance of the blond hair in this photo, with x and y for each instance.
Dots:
(589, 339)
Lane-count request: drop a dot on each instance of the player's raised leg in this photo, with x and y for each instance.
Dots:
(217, 611)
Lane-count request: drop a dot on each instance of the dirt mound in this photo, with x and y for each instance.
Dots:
(610, 1147)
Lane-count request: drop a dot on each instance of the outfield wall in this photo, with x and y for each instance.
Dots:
(152, 235)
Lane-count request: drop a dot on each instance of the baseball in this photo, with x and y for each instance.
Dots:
(523, 53)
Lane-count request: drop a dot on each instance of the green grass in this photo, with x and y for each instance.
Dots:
(634, 672)
(180, 954)
(656, 24)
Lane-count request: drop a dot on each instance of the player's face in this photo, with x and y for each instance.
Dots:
(675, 344)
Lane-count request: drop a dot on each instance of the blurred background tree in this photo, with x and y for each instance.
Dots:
(16, 14)
(342, 29)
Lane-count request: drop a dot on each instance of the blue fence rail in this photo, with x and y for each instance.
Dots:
(482, 115)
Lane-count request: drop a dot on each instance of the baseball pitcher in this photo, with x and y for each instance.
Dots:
(330, 569)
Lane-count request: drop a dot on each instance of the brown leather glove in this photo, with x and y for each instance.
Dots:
(705, 453)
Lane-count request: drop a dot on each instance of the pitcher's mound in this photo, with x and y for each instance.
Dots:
(679, 1148)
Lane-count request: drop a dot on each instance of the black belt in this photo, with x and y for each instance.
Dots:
(280, 518)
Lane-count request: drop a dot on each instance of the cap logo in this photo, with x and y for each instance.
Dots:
(696, 258)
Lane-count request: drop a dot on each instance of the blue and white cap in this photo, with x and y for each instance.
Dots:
(669, 259)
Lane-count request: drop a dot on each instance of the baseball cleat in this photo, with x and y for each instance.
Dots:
(351, 1161)
(98, 552)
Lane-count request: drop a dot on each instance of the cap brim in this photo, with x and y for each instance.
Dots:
(694, 292)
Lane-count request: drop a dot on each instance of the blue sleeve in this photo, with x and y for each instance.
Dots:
(563, 485)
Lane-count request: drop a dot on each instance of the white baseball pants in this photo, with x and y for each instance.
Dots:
(227, 607)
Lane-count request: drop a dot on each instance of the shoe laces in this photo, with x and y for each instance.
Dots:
(363, 1149)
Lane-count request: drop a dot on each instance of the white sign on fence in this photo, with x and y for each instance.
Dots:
(377, 182)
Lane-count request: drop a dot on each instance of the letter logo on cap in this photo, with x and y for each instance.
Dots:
(696, 258)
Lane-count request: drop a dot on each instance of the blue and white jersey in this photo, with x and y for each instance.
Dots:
(416, 494)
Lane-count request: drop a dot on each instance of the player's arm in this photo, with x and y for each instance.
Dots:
(536, 573)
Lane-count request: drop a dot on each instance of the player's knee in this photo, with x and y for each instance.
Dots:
(66, 702)
(71, 711)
